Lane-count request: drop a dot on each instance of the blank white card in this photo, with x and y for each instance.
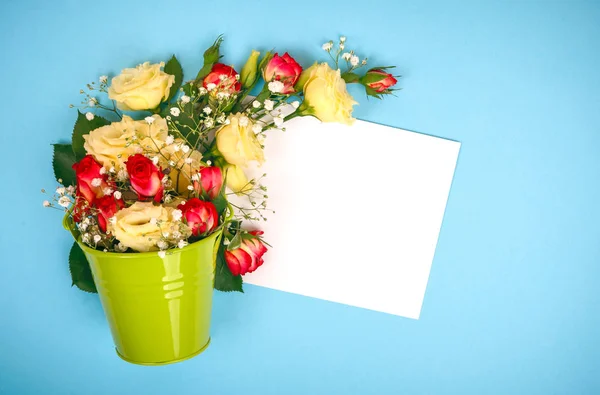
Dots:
(358, 211)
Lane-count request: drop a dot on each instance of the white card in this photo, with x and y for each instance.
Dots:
(357, 215)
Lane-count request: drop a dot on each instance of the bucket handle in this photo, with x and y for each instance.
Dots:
(68, 224)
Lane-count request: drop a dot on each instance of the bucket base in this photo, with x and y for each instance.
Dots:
(165, 362)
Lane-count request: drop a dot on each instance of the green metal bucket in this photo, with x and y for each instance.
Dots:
(158, 309)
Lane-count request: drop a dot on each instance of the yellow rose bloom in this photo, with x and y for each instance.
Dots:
(141, 88)
(325, 92)
(237, 141)
(112, 144)
(133, 226)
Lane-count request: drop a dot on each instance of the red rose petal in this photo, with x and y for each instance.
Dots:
(238, 261)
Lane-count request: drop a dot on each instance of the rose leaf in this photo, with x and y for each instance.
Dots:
(81, 273)
(62, 162)
(174, 68)
(224, 280)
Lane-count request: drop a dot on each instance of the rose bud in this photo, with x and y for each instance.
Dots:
(145, 177)
(248, 75)
(107, 207)
(200, 216)
(211, 181)
(248, 257)
(284, 69)
(228, 83)
(379, 80)
(90, 182)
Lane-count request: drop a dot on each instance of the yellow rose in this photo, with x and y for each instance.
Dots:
(112, 144)
(325, 92)
(236, 179)
(142, 87)
(135, 228)
(237, 141)
(181, 173)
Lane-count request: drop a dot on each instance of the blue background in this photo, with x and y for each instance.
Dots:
(512, 303)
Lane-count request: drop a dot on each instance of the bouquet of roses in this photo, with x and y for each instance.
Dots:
(153, 166)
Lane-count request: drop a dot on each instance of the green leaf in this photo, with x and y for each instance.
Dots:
(235, 224)
(204, 71)
(382, 68)
(263, 95)
(373, 92)
(63, 162)
(224, 280)
(188, 88)
(350, 77)
(83, 126)
(235, 242)
(220, 202)
(81, 273)
(174, 68)
(211, 56)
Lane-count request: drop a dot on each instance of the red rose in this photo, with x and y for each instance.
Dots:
(81, 208)
(90, 183)
(248, 257)
(107, 207)
(199, 215)
(228, 84)
(386, 82)
(145, 177)
(211, 181)
(285, 69)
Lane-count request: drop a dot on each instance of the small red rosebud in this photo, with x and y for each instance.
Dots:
(248, 257)
(228, 83)
(386, 82)
(284, 69)
(211, 181)
(200, 216)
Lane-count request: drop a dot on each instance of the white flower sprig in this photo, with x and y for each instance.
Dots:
(353, 62)
(90, 102)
